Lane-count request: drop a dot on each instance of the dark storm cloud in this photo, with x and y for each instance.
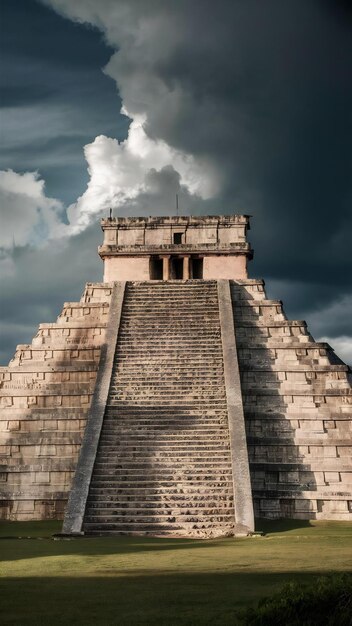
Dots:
(267, 94)
(53, 92)
(261, 91)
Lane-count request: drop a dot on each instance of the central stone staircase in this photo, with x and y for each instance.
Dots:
(163, 465)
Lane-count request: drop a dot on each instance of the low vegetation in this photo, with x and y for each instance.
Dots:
(145, 581)
(328, 601)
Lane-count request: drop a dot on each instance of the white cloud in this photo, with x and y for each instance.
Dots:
(120, 172)
(27, 214)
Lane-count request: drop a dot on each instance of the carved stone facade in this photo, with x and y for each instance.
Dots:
(169, 457)
(171, 248)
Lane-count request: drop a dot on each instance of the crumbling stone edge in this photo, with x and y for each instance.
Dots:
(80, 486)
(244, 516)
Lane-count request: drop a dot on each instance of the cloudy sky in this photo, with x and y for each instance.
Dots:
(239, 106)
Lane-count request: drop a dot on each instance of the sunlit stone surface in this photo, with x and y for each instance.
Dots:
(184, 384)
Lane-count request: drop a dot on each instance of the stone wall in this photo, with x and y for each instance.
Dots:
(225, 267)
(126, 268)
(131, 246)
(45, 394)
(159, 231)
(298, 408)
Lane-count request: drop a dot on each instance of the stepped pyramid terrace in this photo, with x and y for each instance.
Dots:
(175, 398)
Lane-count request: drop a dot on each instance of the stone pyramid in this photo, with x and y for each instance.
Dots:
(175, 398)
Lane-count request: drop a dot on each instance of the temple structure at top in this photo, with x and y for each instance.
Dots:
(175, 248)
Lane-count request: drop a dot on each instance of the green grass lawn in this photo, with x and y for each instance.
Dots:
(164, 582)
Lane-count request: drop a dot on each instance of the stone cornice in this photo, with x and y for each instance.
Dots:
(242, 248)
(181, 220)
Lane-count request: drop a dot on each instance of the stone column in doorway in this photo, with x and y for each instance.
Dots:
(186, 267)
(166, 267)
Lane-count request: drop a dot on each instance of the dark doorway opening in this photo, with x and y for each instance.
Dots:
(197, 268)
(156, 269)
(177, 237)
(177, 269)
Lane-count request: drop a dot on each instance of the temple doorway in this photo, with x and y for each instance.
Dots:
(156, 269)
(197, 268)
(176, 269)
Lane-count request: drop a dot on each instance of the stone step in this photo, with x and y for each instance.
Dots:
(219, 531)
(173, 431)
(131, 368)
(154, 289)
(154, 386)
(171, 471)
(116, 443)
(155, 318)
(140, 326)
(154, 295)
(183, 304)
(180, 400)
(141, 397)
(157, 518)
(121, 379)
(107, 466)
(117, 512)
(157, 488)
(169, 342)
(172, 348)
(183, 299)
(133, 464)
(166, 502)
(160, 482)
(174, 369)
(167, 433)
(188, 404)
(209, 318)
(152, 292)
(131, 373)
(154, 527)
(175, 448)
(177, 412)
(158, 439)
(160, 398)
(163, 334)
(163, 417)
(134, 358)
(154, 435)
(112, 449)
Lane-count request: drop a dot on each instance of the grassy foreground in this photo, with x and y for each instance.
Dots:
(164, 582)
